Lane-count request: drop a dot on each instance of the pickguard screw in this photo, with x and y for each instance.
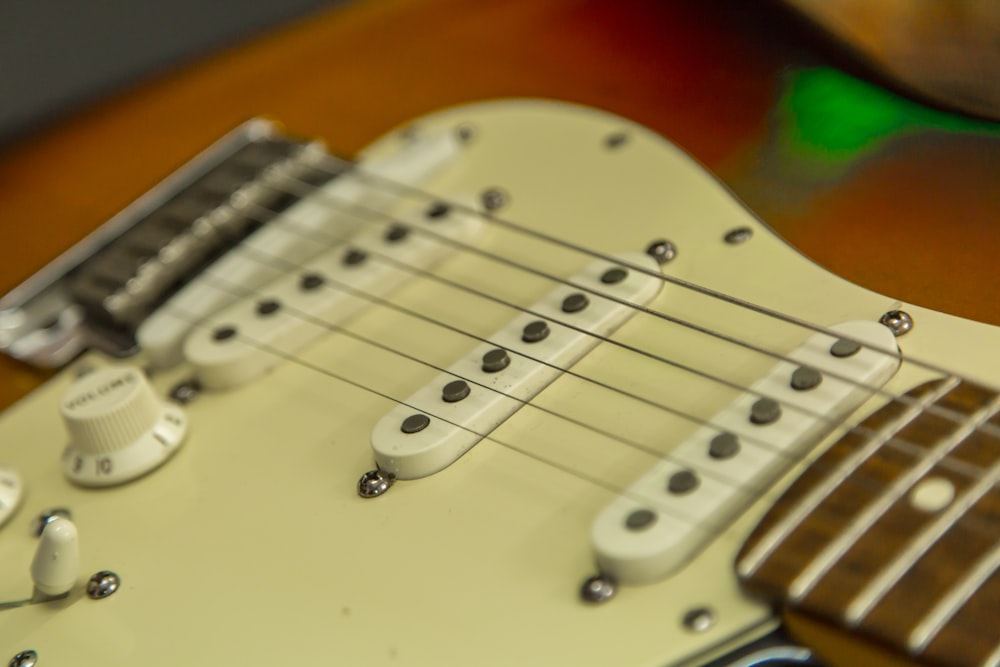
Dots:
(662, 251)
(615, 140)
(738, 235)
(465, 133)
(24, 659)
(46, 517)
(102, 584)
(185, 392)
(374, 483)
(699, 619)
(598, 588)
(898, 321)
(494, 199)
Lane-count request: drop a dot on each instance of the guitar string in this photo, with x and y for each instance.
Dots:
(712, 529)
(287, 264)
(339, 204)
(956, 465)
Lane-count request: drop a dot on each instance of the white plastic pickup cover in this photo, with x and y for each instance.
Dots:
(650, 530)
(453, 427)
(252, 335)
(331, 214)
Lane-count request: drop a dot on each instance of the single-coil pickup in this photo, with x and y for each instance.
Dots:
(257, 332)
(660, 522)
(436, 425)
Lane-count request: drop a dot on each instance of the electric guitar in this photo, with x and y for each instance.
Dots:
(521, 381)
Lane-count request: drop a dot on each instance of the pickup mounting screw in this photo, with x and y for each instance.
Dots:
(24, 659)
(662, 251)
(374, 483)
(102, 584)
(185, 392)
(898, 321)
(738, 235)
(598, 588)
(494, 199)
(699, 619)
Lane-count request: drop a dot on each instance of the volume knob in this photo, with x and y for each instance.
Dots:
(118, 428)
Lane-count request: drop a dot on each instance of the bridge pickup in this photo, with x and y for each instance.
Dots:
(322, 217)
(254, 334)
(660, 522)
(436, 425)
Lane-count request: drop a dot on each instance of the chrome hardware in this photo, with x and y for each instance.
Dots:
(47, 517)
(465, 133)
(494, 199)
(699, 619)
(616, 140)
(102, 584)
(899, 322)
(598, 589)
(24, 659)
(738, 235)
(662, 251)
(185, 392)
(374, 483)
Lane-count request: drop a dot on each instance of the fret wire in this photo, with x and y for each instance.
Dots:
(834, 550)
(777, 534)
(877, 588)
(351, 208)
(938, 617)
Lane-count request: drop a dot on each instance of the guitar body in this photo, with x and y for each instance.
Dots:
(252, 545)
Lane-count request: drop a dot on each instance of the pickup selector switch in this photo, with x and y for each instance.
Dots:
(118, 428)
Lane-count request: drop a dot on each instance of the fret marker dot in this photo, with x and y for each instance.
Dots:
(415, 423)
(640, 519)
(844, 348)
(535, 331)
(682, 482)
(575, 302)
(805, 378)
(724, 446)
(765, 411)
(455, 391)
(495, 360)
(932, 494)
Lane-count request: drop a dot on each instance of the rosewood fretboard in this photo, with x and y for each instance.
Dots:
(895, 531)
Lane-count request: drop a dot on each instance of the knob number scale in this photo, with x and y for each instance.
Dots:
(119, 429)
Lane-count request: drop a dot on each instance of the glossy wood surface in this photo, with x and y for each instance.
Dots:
(917, 220)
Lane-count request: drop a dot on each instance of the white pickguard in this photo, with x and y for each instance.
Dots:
(251, 545)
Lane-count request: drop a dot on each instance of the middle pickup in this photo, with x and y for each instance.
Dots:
(444, 419)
